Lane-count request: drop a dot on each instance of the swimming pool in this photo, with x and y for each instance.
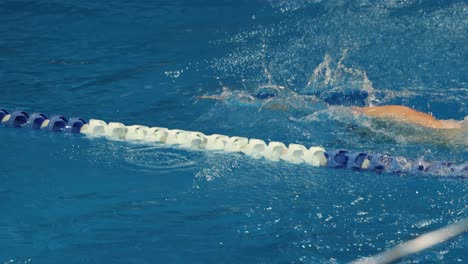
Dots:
(66, 198)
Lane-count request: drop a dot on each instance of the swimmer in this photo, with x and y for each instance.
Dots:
(408, 115)
(393, 112)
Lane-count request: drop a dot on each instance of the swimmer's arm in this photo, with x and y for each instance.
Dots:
(406, 114)
(273, 106)
(220, 97)
(211, 97)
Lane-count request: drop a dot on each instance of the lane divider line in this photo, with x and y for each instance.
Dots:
(315, 156)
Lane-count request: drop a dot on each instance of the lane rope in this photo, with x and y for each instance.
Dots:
(254, 148)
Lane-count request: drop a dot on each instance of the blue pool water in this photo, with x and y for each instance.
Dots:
(69, 199)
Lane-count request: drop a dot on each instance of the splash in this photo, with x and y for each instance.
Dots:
(339, 84)
(331, 83)
(331, 89)
(290, 6)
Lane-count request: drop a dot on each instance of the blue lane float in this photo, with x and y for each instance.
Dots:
(74, 125)
(56, 123)
(255, 148)
(35, 121)
(16, 119)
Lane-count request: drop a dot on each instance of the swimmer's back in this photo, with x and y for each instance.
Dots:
(406, 114)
